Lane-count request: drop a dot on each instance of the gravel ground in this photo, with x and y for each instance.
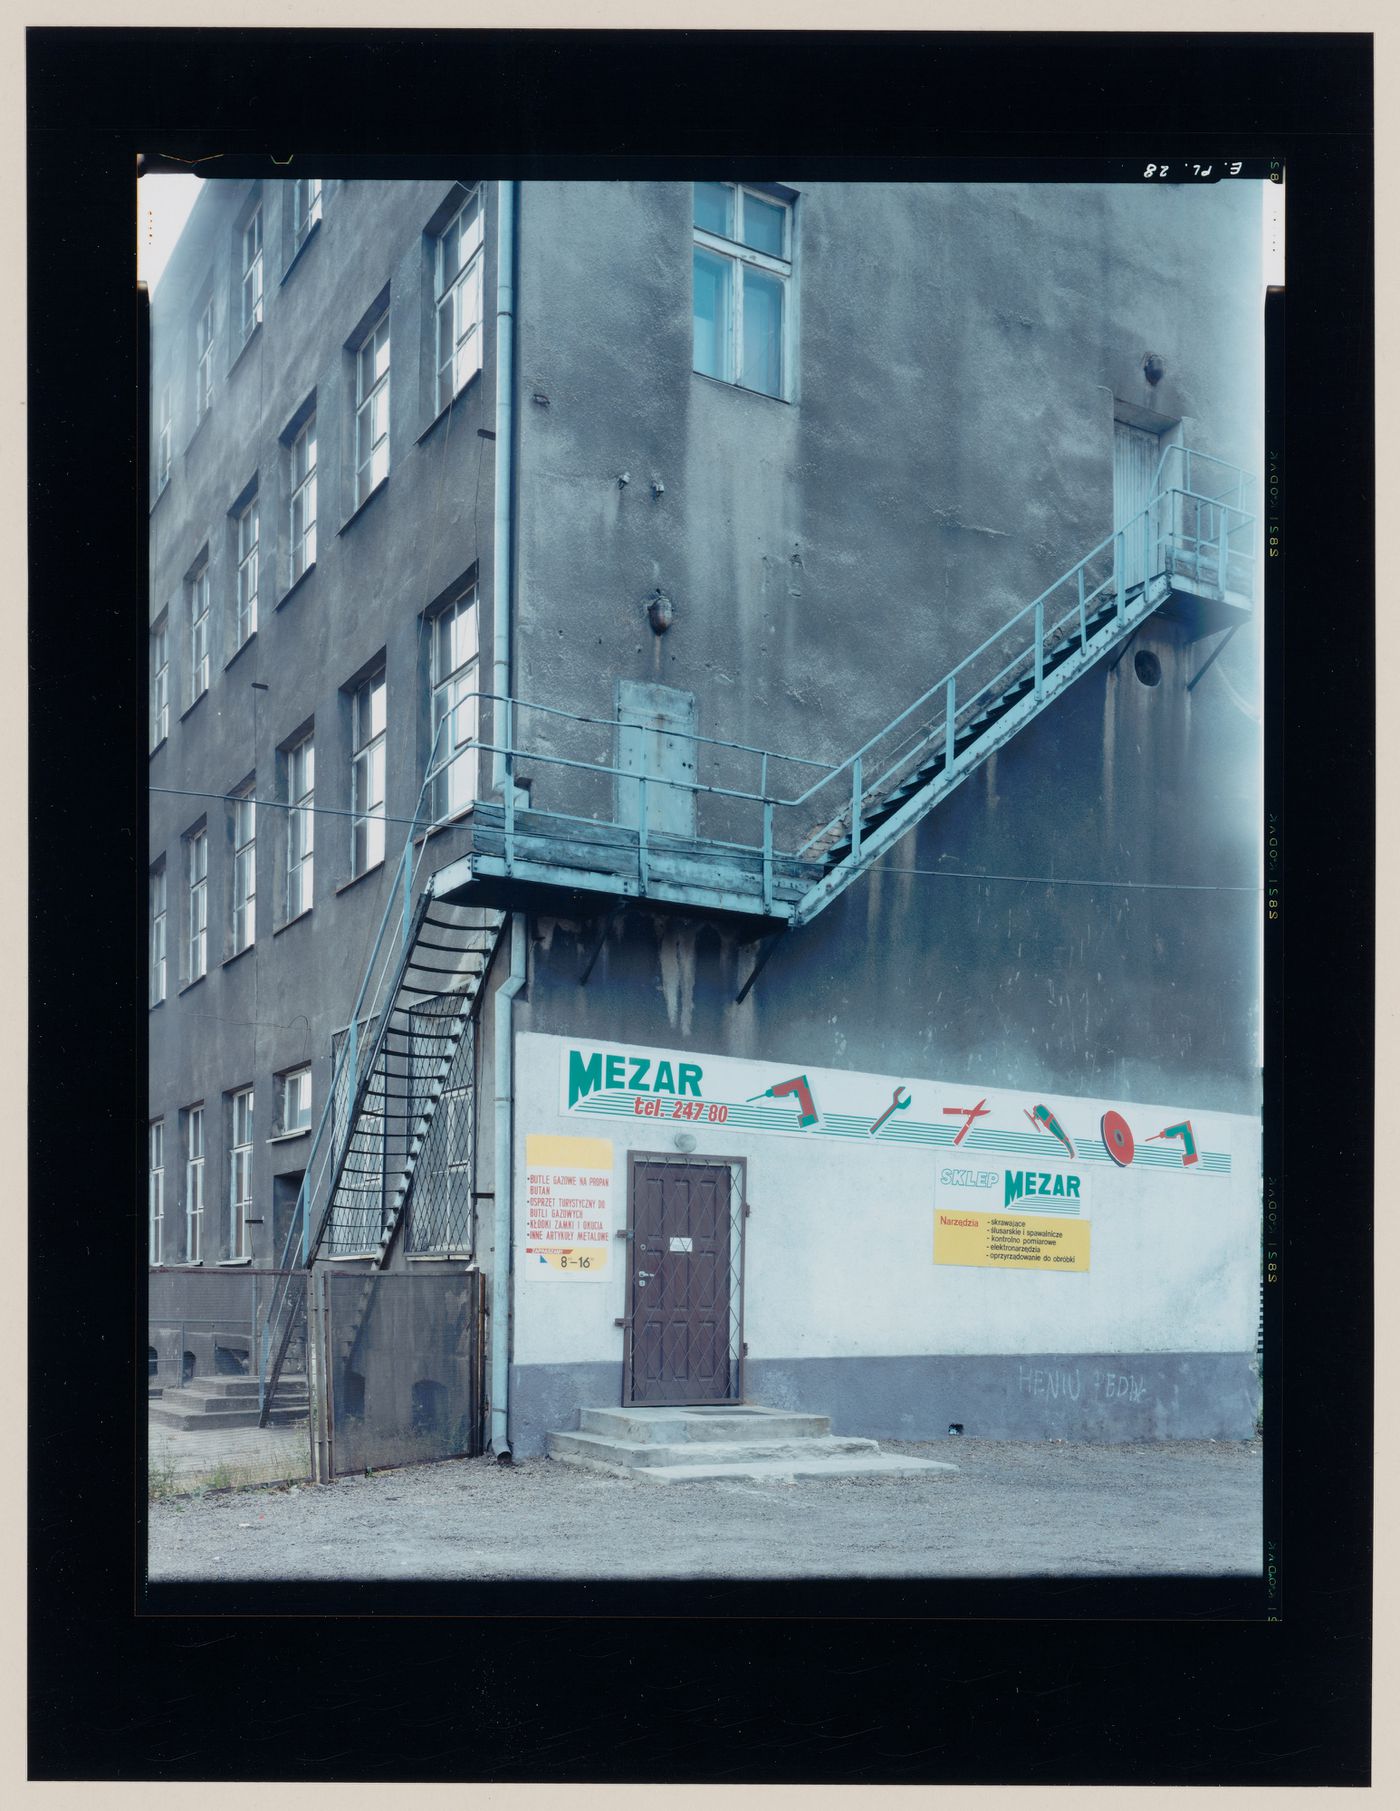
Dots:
(1012, 1509)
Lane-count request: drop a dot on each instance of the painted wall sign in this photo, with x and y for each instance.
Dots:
(616, 1081)
(1010, 1241)
(568, 1208)
(1044, 1188)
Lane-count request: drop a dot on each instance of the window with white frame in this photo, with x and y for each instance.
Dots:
(457, 299)
(454, 679)
(163, 438)
(742, 275)
(294, 1102)
(368, 726)
(158, 910)
(194, 1184)
(372, 409)
(199, 633)
(250, 304)
(155, 1193)
(204, 362)
(160, 682)
(306, 209)
(246, 615)
(240, 1171)
(197, 917)
(244, 869)
(301, 826)
(303, 504)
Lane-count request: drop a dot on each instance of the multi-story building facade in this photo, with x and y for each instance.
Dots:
(591, 542)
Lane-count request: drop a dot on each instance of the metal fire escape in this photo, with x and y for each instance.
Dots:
(745, 850)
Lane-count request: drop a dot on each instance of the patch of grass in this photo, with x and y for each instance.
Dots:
(162, 1479)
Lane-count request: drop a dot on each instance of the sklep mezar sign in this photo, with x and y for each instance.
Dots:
(1013, 1171)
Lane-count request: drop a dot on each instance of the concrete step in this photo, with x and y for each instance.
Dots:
(161, 1414)
(644, 1455)
(194, 1400)
(241, 1386)
(779, 1471)
(668, 1426)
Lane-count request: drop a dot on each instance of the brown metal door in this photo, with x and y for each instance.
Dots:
(683, 1313)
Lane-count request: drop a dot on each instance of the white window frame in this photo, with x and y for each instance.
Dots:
(194, 1183)
(155, 1191)
(744, 258)
(199, 633)
(160, 681)
(294, 1100)
(452, 694)
(301, 826)
(204, 362)
(159, 906)
(367, 792)
(306, 209)
(245, 623)
(370, 473)
(163, 442)
(457, 326)
(197, 901)
(250, 293)
(301, 514)
(245, 882)
(240, 1171)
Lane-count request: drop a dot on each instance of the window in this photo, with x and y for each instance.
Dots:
(454, 704)
(155, 1192)
(368, 720)
(204, 362)
(301, 826)
(372, 410)
(160, 682)
(246, 621)
(199, 633)
(303, 509)
(158, 905)
(194, 1184)
(244, 869)
(163, 442)
(197, 937)
(240, 1171)
(306, 210)
(251, 294)
(457, 299)
(743, 265)
(294, 1101)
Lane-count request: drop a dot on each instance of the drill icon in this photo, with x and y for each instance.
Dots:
(799, 1086)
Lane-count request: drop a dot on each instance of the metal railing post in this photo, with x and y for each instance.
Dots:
(950, 712)
(767, 854)
(1120, 562)
(1083, 621)
(1146, 549)
(406, 863)
(509, 768)
(643, 875)
(1039, 648)
(856, 790)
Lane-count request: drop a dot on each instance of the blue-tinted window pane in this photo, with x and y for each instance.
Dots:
(763, 333)
(714, 208)
(712, 313)
(763, 226)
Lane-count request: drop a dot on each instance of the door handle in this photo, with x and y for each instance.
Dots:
(644, 1276)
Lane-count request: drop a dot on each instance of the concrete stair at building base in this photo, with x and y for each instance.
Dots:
(220, 1402)
(702, 1445)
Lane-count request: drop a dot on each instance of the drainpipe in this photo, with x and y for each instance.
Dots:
(504, 526)
(501, 1268)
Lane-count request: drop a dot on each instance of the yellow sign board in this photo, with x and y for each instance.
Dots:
(567, 1208)
(1009, 1241)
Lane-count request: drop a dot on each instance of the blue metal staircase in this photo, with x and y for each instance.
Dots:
(1188, 554)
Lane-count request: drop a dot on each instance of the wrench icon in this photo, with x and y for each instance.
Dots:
(896, 1106)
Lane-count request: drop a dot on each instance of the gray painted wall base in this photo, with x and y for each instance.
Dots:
(1111, 1396)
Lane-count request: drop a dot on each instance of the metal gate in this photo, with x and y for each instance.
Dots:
(685, 1315)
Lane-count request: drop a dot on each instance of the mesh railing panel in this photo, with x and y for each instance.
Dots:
(204, 1340)
(403, 1359)
(440, 1206)
(357, 1217)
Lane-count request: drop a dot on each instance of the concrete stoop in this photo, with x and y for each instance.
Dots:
(680, 1446)
(218, 1402)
